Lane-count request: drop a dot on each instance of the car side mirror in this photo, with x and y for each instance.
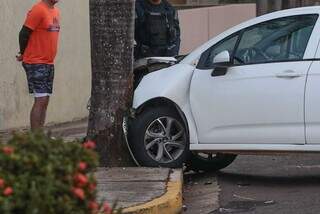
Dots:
(222, 58)
(221, 62)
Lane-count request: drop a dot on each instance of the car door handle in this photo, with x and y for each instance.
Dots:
(288, 74)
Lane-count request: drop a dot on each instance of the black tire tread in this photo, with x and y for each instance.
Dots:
(136, 132)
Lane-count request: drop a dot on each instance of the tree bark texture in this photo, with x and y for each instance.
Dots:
(112, 31)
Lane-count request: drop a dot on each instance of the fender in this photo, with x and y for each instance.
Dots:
(174, 86)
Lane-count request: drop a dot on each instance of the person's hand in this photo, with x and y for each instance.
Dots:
(19, 57)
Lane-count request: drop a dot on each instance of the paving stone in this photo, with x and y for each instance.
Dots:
(131, 186)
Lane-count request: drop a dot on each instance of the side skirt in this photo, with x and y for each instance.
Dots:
(255, 148)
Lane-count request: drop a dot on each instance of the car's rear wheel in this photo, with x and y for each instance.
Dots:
(158, 137)
(200, 161)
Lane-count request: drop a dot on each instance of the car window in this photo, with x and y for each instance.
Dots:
(226, 44)
(276, 40)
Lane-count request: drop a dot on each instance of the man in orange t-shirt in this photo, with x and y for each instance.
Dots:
(38, 40)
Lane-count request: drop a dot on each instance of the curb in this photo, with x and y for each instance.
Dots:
(169, 203)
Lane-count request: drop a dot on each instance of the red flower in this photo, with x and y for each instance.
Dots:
(79, 193)
(81, 179)
(7, 191)
(89, 145)
(8, 150)
(1, 183)
(94, 206)
(82, 166)
(106, 208)
(92, 187)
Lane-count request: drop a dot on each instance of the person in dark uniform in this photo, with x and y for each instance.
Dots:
(157, 31)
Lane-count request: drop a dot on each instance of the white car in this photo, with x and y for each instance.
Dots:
(253, 89)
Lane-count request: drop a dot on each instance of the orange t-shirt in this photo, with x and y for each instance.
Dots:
(43, 42)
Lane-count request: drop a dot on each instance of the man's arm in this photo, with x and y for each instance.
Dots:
(34, 18)
(138, 31)
(177, 27)
(24, 37)
(174, 48)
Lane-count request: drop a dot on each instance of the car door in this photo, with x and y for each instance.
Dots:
(312, 105)
(312, 102)
(260, 99)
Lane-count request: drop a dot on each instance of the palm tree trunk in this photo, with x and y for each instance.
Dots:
(111, 29)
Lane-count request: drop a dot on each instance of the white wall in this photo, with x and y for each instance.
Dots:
(73, 65)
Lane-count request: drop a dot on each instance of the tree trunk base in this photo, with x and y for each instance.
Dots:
(113, 153)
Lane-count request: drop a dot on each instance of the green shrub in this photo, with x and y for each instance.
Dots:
(42, 175)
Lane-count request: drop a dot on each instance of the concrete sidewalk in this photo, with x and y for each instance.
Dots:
(69, 131)
(137, 190)
(141, 190)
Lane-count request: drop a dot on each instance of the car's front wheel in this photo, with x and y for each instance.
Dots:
(158, 137)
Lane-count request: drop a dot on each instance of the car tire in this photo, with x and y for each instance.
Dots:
(209, 162)
(153, 143)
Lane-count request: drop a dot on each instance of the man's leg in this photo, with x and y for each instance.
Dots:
(38, 112)
(40, 81)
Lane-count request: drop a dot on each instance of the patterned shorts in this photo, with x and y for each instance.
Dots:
(40, 78)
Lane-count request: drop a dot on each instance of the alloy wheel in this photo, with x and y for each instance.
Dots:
(165, 139)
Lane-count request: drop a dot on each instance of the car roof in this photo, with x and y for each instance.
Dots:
(274, 15)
